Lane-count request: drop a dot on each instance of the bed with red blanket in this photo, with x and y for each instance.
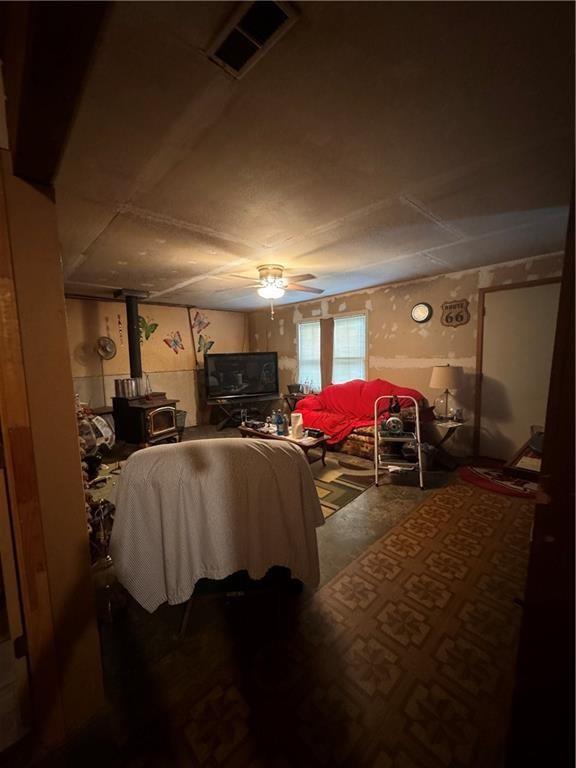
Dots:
(346, 412)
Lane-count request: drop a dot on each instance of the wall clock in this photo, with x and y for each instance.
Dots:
(421, 312)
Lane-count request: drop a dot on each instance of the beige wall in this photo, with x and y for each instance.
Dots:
(515, 386)
(399, 349)
(169, 371)
(228, 331)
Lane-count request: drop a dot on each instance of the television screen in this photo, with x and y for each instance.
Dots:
(242, 375)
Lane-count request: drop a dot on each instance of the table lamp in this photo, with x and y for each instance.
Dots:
(446, 377)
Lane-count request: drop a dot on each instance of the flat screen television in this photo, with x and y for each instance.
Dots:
(241, 376)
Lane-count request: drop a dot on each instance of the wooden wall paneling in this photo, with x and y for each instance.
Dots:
(38, 280)
(8, 564)
(12, 597)
(25, 505)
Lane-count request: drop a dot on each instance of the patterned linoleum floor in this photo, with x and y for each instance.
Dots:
(404, 659)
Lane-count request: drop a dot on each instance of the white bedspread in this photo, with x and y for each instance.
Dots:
(209, 508)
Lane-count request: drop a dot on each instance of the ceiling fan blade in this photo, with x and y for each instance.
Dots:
(300, 278)
(305, 288)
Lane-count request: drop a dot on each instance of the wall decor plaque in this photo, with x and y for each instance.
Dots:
(455, 313)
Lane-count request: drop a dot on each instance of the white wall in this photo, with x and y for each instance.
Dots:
(519, 329)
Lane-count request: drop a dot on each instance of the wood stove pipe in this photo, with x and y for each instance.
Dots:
(133, 337)
(133, 331)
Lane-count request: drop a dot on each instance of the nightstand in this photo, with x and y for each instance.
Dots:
(449, 427)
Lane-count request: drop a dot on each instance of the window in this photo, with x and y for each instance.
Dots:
(349, 358)
(342, 342)
(309, 354)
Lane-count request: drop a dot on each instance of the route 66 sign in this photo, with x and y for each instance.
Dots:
(455, 313)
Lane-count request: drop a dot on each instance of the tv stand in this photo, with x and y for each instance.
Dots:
(232, 408)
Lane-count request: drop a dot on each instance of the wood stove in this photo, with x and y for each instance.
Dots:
(145, 420)
(148, 419)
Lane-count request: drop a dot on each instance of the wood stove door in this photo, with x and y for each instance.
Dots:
(160, 421)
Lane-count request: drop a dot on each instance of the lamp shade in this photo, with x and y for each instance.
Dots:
(446, 377)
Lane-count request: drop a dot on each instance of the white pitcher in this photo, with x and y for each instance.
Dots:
(297, 425)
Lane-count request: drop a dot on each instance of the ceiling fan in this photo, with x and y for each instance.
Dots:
(272, 284)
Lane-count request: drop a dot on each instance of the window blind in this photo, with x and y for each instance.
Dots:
(309, 354)
(349, 361)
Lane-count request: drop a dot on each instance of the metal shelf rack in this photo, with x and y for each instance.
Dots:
(381, 465)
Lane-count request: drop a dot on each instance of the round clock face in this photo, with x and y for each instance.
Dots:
(421, 312)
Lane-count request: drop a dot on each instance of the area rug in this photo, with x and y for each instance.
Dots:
(341, 481)
(495, 480)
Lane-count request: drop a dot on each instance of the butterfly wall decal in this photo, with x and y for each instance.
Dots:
(145, 328)
(204, 345)
(200, 322)
(174, 341)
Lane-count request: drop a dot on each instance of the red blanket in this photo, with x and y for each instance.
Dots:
(340, 408)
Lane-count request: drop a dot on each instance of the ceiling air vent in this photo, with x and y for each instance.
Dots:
(251, 32)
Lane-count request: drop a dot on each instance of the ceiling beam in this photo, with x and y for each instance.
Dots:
(46, 50)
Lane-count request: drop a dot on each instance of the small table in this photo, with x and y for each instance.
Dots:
(450, 426)
(293, 399)
(305, 443)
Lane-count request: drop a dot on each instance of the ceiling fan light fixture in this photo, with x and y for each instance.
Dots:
(271, 291)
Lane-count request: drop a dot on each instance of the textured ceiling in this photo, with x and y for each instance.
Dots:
(375, 142)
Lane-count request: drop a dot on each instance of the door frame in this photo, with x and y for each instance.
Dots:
(24, 506)
(13, 604)
(480, 346)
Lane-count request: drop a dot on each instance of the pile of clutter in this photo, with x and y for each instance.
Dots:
(94, 434)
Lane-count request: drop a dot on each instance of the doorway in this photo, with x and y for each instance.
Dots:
(517, 327)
